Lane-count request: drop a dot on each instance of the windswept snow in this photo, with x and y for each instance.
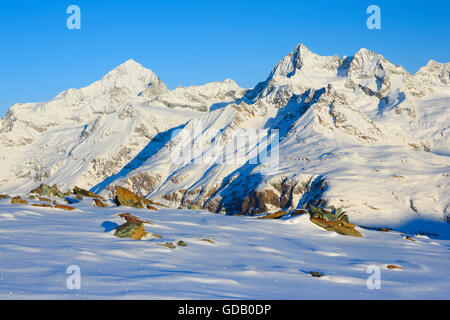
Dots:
(249, 259)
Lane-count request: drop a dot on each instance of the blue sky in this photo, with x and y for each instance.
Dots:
(194, 42)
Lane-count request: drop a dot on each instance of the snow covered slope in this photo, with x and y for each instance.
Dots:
(357, 133)
(249, 259)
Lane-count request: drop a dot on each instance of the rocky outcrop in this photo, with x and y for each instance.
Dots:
(275, 215)
(333, 221)
(98, 203)
(46, 190)
(85, 193)
(64, 207)
(125, 197)
(18, 200)
(131, 218)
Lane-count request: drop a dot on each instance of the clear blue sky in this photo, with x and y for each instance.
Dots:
(194, 42)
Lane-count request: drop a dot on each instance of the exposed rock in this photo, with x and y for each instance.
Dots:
(125, 197)
(208, 240)
(157, 235)
(258, 201)
(340, 227)
(168, 245)
(336, 221)
(316, 274)
(152, 203)
(42, 205)
(63, 207)
(409, 238)
(143, 182)
(392, 266)
(44, 199)
(31, 197)
(47, 191)
(276, 215)
(181, 244)
(86, 193)
(149, 207)
(4, 196)
(298, 212)
(18, 200)
(335, 215)
(130, 218)
(99, 203)
(131, 230)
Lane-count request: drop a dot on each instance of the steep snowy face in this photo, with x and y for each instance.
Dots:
(83, 136)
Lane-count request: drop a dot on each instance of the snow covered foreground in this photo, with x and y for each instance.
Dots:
(249, 259)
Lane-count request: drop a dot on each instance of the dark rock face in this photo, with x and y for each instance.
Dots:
(258, 200)
(181, 243)
(316, 274)
(125, 197)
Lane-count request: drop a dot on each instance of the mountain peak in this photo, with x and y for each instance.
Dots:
(434, 73)
(300, 58)
(130, 66)
(301, 49)
(365, 52)
(133, 77)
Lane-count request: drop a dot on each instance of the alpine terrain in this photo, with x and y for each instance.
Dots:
(355, 143)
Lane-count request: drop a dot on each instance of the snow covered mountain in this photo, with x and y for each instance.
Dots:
(82, 137)
(357, 133)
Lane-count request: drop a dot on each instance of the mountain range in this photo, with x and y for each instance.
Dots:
(357, 133)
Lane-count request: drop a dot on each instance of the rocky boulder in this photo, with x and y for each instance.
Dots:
(18, 200)
(47, 191)
(131, 230)
(125, 197)
(130, 218)
(336, 221)
(63, 207)
(275, 215)
(86, 193)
